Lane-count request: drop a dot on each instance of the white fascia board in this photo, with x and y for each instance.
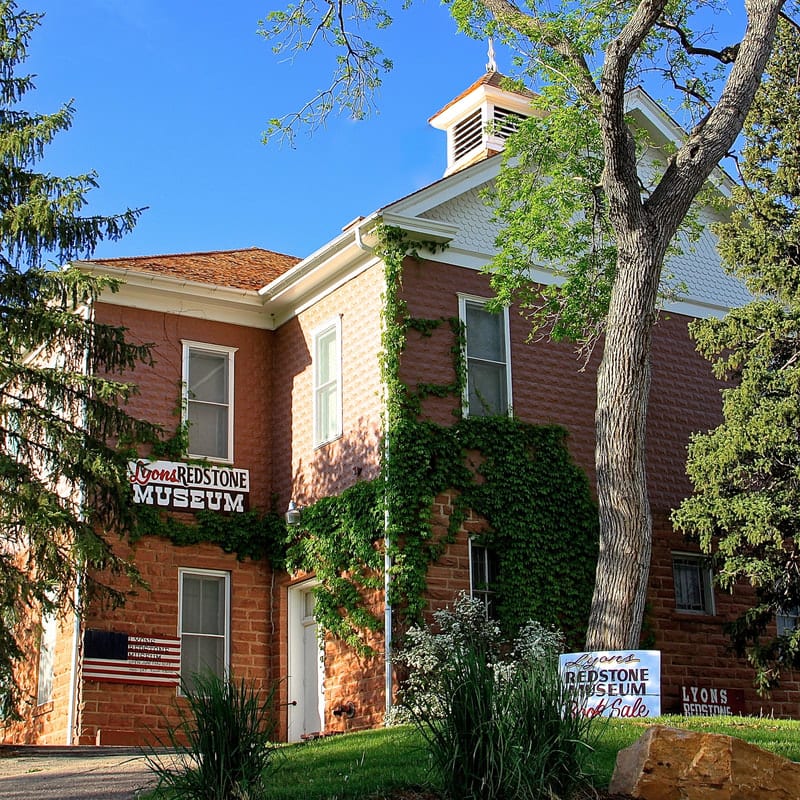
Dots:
(421, 229)
(321, 273)
(416, 204)
(697, 309)
(340, 260)
(162, 293)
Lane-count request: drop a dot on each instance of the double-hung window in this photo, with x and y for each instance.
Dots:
(327, 382)
(483, 570)
(788, 620)
(47, 646)
(204, 617)
(208, 400)
(488, 389)
(693, 584)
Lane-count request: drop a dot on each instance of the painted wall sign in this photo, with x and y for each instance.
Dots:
(702, 701)
(176, 486)
(616, 683)
(112, 657)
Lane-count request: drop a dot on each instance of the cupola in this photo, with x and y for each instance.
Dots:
(479, 120)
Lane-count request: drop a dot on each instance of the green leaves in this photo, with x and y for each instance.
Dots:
(746, 472)
(550, 204)
(63, 387)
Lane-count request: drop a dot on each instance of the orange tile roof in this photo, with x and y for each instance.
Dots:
(241, 269)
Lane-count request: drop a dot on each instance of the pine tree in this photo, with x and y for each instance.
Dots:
(746, 472)
(63, 485)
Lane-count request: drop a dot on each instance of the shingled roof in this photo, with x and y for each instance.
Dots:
(491, 78)
(240, 269)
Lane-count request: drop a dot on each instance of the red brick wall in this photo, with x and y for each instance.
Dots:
(302, 471)
(356, 679)
(550, 387)
(160, 385)
(122, 713)
(305, 473)
(46, 723)
(129, 714)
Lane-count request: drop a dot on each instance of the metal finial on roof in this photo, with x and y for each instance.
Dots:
(492, 65)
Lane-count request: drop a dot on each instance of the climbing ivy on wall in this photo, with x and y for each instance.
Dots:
(254, 534)
(541, 519)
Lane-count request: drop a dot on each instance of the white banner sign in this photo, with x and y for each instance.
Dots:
(189, 487)
(615, 683)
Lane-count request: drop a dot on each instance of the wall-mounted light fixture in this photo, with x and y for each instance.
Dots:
(292, 514)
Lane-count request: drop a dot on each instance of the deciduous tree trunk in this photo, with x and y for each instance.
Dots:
(623, 385)
(644, 229)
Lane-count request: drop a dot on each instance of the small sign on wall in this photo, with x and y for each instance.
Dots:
(176, 486)
(703, 701)
(615, 683)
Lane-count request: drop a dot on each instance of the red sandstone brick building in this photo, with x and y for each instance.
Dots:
(275, 363)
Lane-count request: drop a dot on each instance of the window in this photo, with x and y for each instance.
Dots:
(208, 400)
(488, 389)
(483, 574)
(47, 646)
(204, 623)
(788, 620)
(692, 576)
(327, 383)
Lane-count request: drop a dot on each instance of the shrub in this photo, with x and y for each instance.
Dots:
(222, 742)
(495, 714)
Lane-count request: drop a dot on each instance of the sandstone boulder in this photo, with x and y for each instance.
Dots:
(671, 764)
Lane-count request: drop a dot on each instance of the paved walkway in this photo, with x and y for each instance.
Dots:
(102, 773)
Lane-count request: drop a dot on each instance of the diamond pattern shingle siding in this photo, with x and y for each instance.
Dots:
(697, 269)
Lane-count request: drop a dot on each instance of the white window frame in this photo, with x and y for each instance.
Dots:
(707, 587)
(219, 350)
(787, 620)
(47, 658)
(323, 437)
(463, 301)
(207, 573)
(484, 595)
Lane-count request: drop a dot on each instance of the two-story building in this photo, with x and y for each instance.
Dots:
(277, 365)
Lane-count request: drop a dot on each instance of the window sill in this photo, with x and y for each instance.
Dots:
(320, 445)
(700, 616)
(210, 459)
(43, 708)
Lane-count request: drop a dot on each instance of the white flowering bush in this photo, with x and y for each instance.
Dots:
(494, 712)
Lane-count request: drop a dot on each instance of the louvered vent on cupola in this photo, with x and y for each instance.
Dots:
(480, 120)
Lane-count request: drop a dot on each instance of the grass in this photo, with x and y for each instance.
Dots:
(358, 765)
(354, 765)
(372, 764)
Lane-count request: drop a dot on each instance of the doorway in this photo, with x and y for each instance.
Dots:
(306, 665)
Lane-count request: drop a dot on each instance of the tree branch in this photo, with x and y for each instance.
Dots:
(530, 25)
(726, 56)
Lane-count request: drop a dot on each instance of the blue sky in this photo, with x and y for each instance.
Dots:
(171, 100)
(172, 97)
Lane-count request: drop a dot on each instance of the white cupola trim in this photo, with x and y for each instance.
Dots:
(479, 120)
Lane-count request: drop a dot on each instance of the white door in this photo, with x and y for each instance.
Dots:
(306, 668)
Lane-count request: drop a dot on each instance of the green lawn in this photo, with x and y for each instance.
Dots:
(353, 765)
(372, 764)
(358, 765)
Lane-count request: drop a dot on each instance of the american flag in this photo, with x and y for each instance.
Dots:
(113, 657)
